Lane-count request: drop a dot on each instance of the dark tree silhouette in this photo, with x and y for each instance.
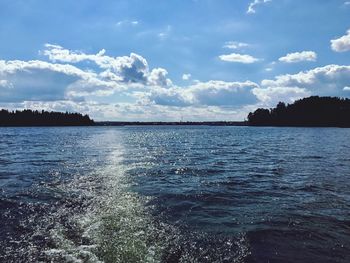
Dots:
(43, 118)
(312, 111)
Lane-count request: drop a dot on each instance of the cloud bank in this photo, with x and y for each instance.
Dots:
(329, 80)
(126, 88)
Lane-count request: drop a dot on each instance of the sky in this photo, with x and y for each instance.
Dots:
(171, 60)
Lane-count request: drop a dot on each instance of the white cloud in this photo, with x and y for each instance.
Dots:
(157, 77)
(10, 67)
(133, 68)
(60, 85)
(341, 44)
(165, 97)
(252, 5)
(239, 58)
(270, 96)
(57, 53)
(330, 80)
(40, 80)
(299, 56)
(186, 76)
(235, 45)
(136, 112)
(221, 93)
(211, 93)
(126, 88)
(128, 69)
(324, 81)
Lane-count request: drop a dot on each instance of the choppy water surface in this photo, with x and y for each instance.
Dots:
(174, 194)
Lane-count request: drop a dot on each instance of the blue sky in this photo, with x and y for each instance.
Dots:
(167, 60)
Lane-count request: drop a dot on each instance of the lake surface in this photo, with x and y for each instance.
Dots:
(174, 194)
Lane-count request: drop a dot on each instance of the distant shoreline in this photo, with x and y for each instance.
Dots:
(159, 123)
(310, 112)
(28, 118)
(119, 124)
(218, 124)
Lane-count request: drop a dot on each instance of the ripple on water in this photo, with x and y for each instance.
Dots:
(171, 194)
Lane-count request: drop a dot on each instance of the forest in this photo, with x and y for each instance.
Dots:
(313, 111)
(43, 118)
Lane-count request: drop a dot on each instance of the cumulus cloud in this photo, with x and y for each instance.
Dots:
(12, 66)
(270, 96)
(329, 80)
(166, 97)
(186, 76)
(49, 81)
(219, 93)
(61, 84)
(157, 77)
(299, 57)
(40, 80)
(138, 92)
(211, 93)
(252, 5)
(239, 58)
(133, 68)
(57, 53)
(128, 69)
(341, 44)
(66, 83)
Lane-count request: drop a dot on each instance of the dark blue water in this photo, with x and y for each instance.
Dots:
(174, 194)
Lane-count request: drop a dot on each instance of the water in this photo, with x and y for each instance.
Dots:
(174, 194)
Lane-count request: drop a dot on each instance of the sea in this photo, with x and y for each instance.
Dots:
(174, 194)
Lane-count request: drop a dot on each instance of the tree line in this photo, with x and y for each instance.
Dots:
(313, 111)
(43, 118)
